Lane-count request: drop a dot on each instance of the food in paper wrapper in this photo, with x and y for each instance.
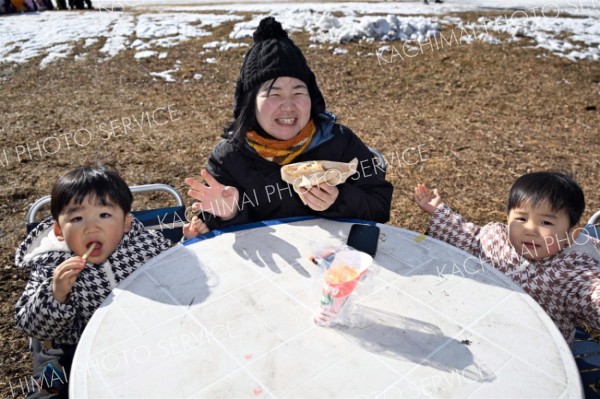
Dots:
(304, 175)
(306, 168)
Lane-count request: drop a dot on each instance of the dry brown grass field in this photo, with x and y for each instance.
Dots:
(481, 114)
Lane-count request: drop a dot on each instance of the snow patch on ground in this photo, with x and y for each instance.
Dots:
(53, 34)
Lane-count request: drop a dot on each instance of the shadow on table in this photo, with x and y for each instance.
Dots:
(408, 255)
(260, 246)
(419, 342)
(166, 284)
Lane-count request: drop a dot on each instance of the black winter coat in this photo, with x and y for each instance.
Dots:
(264, 195)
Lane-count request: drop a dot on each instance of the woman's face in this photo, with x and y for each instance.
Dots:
(283, 107)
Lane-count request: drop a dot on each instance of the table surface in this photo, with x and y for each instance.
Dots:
(232, 316)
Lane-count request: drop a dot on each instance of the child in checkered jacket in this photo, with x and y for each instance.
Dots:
(538, 248)
(90, 207)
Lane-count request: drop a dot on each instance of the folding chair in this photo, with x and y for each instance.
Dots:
(587, 356)
(380, 159)
(592, 227)
(585, 349)
(169, 220)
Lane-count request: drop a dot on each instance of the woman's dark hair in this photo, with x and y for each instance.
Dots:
(246, 121)
(236, 131)
(99, 181)
(560, 191)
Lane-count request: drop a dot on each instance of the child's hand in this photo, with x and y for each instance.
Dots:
(427, 200)
(194, 228)
(64, 277)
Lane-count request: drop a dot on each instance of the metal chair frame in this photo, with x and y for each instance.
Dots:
(151, 219)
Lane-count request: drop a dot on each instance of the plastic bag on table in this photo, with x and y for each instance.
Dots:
(344, 273)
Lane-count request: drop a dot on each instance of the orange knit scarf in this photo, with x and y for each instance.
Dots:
(281, 152)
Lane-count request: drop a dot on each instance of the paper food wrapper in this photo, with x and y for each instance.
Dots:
(339, 281)
(304, 175)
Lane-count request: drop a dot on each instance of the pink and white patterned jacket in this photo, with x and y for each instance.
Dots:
(566, 285)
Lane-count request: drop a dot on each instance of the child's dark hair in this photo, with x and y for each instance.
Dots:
(98, 181)
(560, 191)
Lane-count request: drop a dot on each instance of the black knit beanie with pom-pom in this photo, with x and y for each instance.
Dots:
(274, 54)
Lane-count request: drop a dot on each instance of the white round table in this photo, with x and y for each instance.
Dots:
(232, 317)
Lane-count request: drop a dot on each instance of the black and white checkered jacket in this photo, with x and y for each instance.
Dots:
(40, 315)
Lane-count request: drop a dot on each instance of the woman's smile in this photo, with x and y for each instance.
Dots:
(283, 107)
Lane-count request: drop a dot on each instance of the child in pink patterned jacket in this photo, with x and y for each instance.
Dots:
(539, 248)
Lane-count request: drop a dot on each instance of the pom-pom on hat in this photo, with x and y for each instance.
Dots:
(274, 54)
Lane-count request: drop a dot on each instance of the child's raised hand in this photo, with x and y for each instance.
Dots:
(194, 228)
(427, 200)
(64, 277)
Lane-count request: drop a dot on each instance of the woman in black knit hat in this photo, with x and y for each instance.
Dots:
(280, 118)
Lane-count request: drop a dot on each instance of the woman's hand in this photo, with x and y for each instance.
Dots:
(194, 228)
(64, 277)
(427, 200)
(213, 197)
(321, 197)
